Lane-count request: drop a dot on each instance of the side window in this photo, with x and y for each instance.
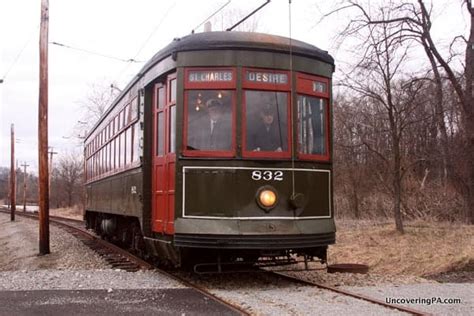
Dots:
(134, 109)
(172, 96)
(121, 150)
(114, 153)
(126, 117)
(172, 125)
(136, 142)
(160, 102)
(313, 117)
(312, 127)
(160, 129)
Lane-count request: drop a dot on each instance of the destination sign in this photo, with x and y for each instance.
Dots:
(319, 86)
(267, 77)
(210, 76)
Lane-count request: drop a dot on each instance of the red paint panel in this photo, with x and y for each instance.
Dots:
(305, 85)
(163, 181)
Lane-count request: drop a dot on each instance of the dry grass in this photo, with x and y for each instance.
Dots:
(425, 248)
(74, 212)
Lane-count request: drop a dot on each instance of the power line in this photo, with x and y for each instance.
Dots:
(155, 29)
(148, 38)
(131, 60)
(249, 15)
(17, 57)
(209, 17)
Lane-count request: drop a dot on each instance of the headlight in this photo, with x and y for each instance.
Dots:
(267, 198)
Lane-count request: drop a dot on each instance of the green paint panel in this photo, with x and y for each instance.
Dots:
(120, 194)
(232, 192)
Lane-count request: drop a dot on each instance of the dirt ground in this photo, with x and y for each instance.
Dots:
(72, 212)
(19, 248)
(432, 250)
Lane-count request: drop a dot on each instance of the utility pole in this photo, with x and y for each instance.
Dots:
(12, 176)
(43, 132)
(24, 165)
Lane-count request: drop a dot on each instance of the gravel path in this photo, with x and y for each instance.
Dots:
(291, 299)
(84, 279)
(437, 299)
(19, 247)
(71, 265)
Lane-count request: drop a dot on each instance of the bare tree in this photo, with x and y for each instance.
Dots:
(390, 95)
(411, 21)
(95, 104)
(68, 180)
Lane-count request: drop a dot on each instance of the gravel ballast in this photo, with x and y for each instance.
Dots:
(436, 299)
(73, 266)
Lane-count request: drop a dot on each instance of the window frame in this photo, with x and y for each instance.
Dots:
(210, 85)
(270, 87)
(304, 88)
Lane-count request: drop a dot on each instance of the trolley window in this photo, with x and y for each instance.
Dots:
(209, 113)
(266, 113)
(313, 117)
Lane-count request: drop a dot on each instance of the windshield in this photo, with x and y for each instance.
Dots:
(266, 121)
(209, 125)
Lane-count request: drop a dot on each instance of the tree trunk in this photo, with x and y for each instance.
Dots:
(468, 120)
(397, 185)
(355, 202)
(396, 172)
(439, 114)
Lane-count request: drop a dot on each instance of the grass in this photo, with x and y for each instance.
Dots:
(426, 248)
(74, 212)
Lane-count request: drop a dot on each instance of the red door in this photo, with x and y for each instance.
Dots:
(164, 156)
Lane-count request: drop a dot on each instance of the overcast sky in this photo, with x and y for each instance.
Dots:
(127, 29)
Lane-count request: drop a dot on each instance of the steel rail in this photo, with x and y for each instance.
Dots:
(57, 221)
(60, 221)
(352, 294)
(145, 265)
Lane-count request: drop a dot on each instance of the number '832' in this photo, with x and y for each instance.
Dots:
(267, 175)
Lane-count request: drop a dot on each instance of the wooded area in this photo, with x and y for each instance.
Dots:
(404, 131)
(66, 183)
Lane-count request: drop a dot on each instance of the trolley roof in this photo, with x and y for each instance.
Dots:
(239, 40)
(226, 41)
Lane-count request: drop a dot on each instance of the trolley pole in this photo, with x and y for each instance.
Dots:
(12, 176)
(24, 165)
(43, 132)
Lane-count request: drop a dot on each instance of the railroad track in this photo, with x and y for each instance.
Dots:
(119, 258)
(116, 257)
(349, 293)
